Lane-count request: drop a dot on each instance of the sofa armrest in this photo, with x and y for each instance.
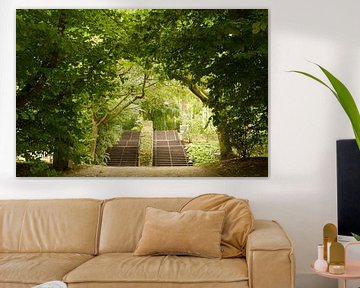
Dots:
(269, 256)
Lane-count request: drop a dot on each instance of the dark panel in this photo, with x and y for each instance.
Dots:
(348, 187)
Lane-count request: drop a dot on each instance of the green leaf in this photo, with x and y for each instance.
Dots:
(316, 79)
(256, 27)
(264, 26)
(356, 236)
(344, 97)
(347, 102)
(24, 116)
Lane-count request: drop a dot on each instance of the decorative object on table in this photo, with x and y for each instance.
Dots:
(320, 264)
(344, 97)
(349, 271)
(336, 269)
(52, 284)
(329, 236)
(333, 251)
(337, 258)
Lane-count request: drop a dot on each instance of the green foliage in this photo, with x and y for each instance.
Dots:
(70, 78)
(224, 54)
(35, 168)
(117, 110)
(162, 105)
(83, 76)
(357, 237)
(246, 127)
(202, 153)
(200, 127)
(108, 135)
(146, 144)
(62, 56)
(344, 97)
(41, 169)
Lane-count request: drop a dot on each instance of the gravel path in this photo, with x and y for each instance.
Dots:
(103, 171)
(253, 167)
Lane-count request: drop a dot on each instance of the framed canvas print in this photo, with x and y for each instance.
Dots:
(142, 92)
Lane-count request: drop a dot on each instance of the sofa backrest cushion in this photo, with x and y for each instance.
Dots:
(64, 226)
(123, 220)
(239, 220)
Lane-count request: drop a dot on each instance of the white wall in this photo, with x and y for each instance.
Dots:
(305, 120)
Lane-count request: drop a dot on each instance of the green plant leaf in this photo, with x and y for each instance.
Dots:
(356, 236)
(316, 79)
(344, 97)
(347, 102)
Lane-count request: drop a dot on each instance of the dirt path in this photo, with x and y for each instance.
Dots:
(253, 167)
(103, 171)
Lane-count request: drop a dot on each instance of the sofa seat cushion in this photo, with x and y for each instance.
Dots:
(127, 268)
(36, 268)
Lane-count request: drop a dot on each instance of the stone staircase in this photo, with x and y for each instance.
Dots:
(168, 149)
(125, 152)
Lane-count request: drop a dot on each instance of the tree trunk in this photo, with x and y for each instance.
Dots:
(224, 143)
(60, 162)
(94, 138)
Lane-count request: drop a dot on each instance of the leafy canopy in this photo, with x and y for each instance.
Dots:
(85, 75)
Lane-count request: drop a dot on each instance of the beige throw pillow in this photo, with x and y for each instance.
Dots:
(194, 232)
(239, 220)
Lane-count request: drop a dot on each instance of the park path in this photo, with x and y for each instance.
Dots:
(254, 167)
(176, 171)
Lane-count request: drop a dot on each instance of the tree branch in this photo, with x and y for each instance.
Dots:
(201, 94)
(118, 109)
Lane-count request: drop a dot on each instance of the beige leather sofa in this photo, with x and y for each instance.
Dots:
(89, 243)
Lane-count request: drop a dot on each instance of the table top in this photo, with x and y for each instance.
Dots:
(352, 271)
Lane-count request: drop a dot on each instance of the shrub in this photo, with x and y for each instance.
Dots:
(35, 168)
(146, 144)
(203, 153)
